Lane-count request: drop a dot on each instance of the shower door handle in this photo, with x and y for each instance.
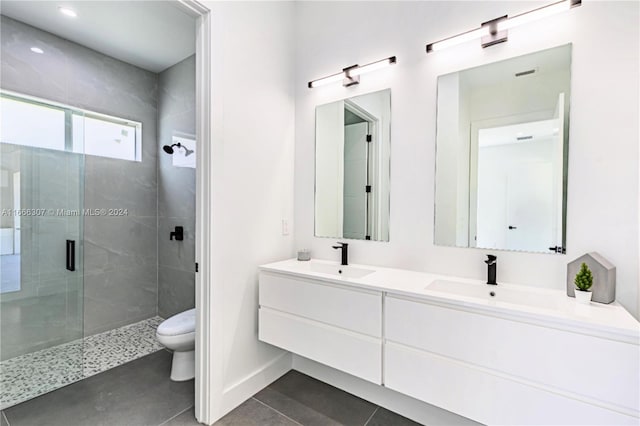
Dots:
(71, 255)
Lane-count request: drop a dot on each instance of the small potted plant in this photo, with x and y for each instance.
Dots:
(583, 282)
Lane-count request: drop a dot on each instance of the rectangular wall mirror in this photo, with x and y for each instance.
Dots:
(352, 167)
(501, 154)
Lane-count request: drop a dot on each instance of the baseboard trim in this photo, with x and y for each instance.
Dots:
(240, 391)
(404, 405)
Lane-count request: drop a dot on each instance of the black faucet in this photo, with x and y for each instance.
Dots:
(492, 262)
(345, 252)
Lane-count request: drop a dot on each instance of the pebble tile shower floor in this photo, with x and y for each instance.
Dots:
(27, 376)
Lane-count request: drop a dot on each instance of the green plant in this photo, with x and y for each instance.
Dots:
(584, 278)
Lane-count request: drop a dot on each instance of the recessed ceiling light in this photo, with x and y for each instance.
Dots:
(67, 12)
(37, 50)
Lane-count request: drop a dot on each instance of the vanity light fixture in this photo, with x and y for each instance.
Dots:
(495, 31)
(351, 75)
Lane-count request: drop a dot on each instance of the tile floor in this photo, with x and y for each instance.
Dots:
(140, 393)
(27, 376)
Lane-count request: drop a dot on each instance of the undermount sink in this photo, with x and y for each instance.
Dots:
(497, 293)
(338, 270)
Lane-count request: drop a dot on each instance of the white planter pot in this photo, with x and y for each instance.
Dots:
(583, 297)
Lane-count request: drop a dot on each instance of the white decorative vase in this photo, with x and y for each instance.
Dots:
(583, 297)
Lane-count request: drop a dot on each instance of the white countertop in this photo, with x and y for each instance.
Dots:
(610, 321)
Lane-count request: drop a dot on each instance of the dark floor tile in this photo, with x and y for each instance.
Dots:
(134, 394)
(3, 421)
(187, 418)
(294, 409)
(384, 417)
(314, 403)
(254, 413)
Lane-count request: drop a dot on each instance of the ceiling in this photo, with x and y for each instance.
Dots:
(153, 35)
(544, 61)
(534, 131)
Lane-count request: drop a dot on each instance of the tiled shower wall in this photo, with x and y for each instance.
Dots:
(120, 253)
(120, 257)
(176, 190)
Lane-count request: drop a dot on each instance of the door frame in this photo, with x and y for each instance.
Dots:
(363, 129)
(373, 156)
(203, 375)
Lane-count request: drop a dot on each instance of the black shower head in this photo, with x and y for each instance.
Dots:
(169, 149)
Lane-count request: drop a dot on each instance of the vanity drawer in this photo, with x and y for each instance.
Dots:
(350, 352)
(351, 309)
(585, 366)
(485, 397)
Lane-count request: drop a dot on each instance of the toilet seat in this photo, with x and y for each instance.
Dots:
(179, 324)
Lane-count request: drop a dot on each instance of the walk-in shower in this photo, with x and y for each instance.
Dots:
(43, 155)
(87, 270)
(42, 192)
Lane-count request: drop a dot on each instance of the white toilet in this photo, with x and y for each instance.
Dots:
(178, 333)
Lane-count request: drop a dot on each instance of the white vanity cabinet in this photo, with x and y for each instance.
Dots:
(332, 324)
(502, 371)
(491, 361)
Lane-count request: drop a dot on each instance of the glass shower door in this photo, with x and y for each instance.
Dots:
(41, 275)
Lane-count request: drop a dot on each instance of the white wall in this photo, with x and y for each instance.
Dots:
(603, 158)
(330, 170)
(449, 134)
(252, 187)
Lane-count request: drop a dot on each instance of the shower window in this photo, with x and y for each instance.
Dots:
(38, 123)
(105, 137)
(32, 124)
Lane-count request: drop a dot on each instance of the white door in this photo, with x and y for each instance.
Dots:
(530, 215)
(355, 181)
